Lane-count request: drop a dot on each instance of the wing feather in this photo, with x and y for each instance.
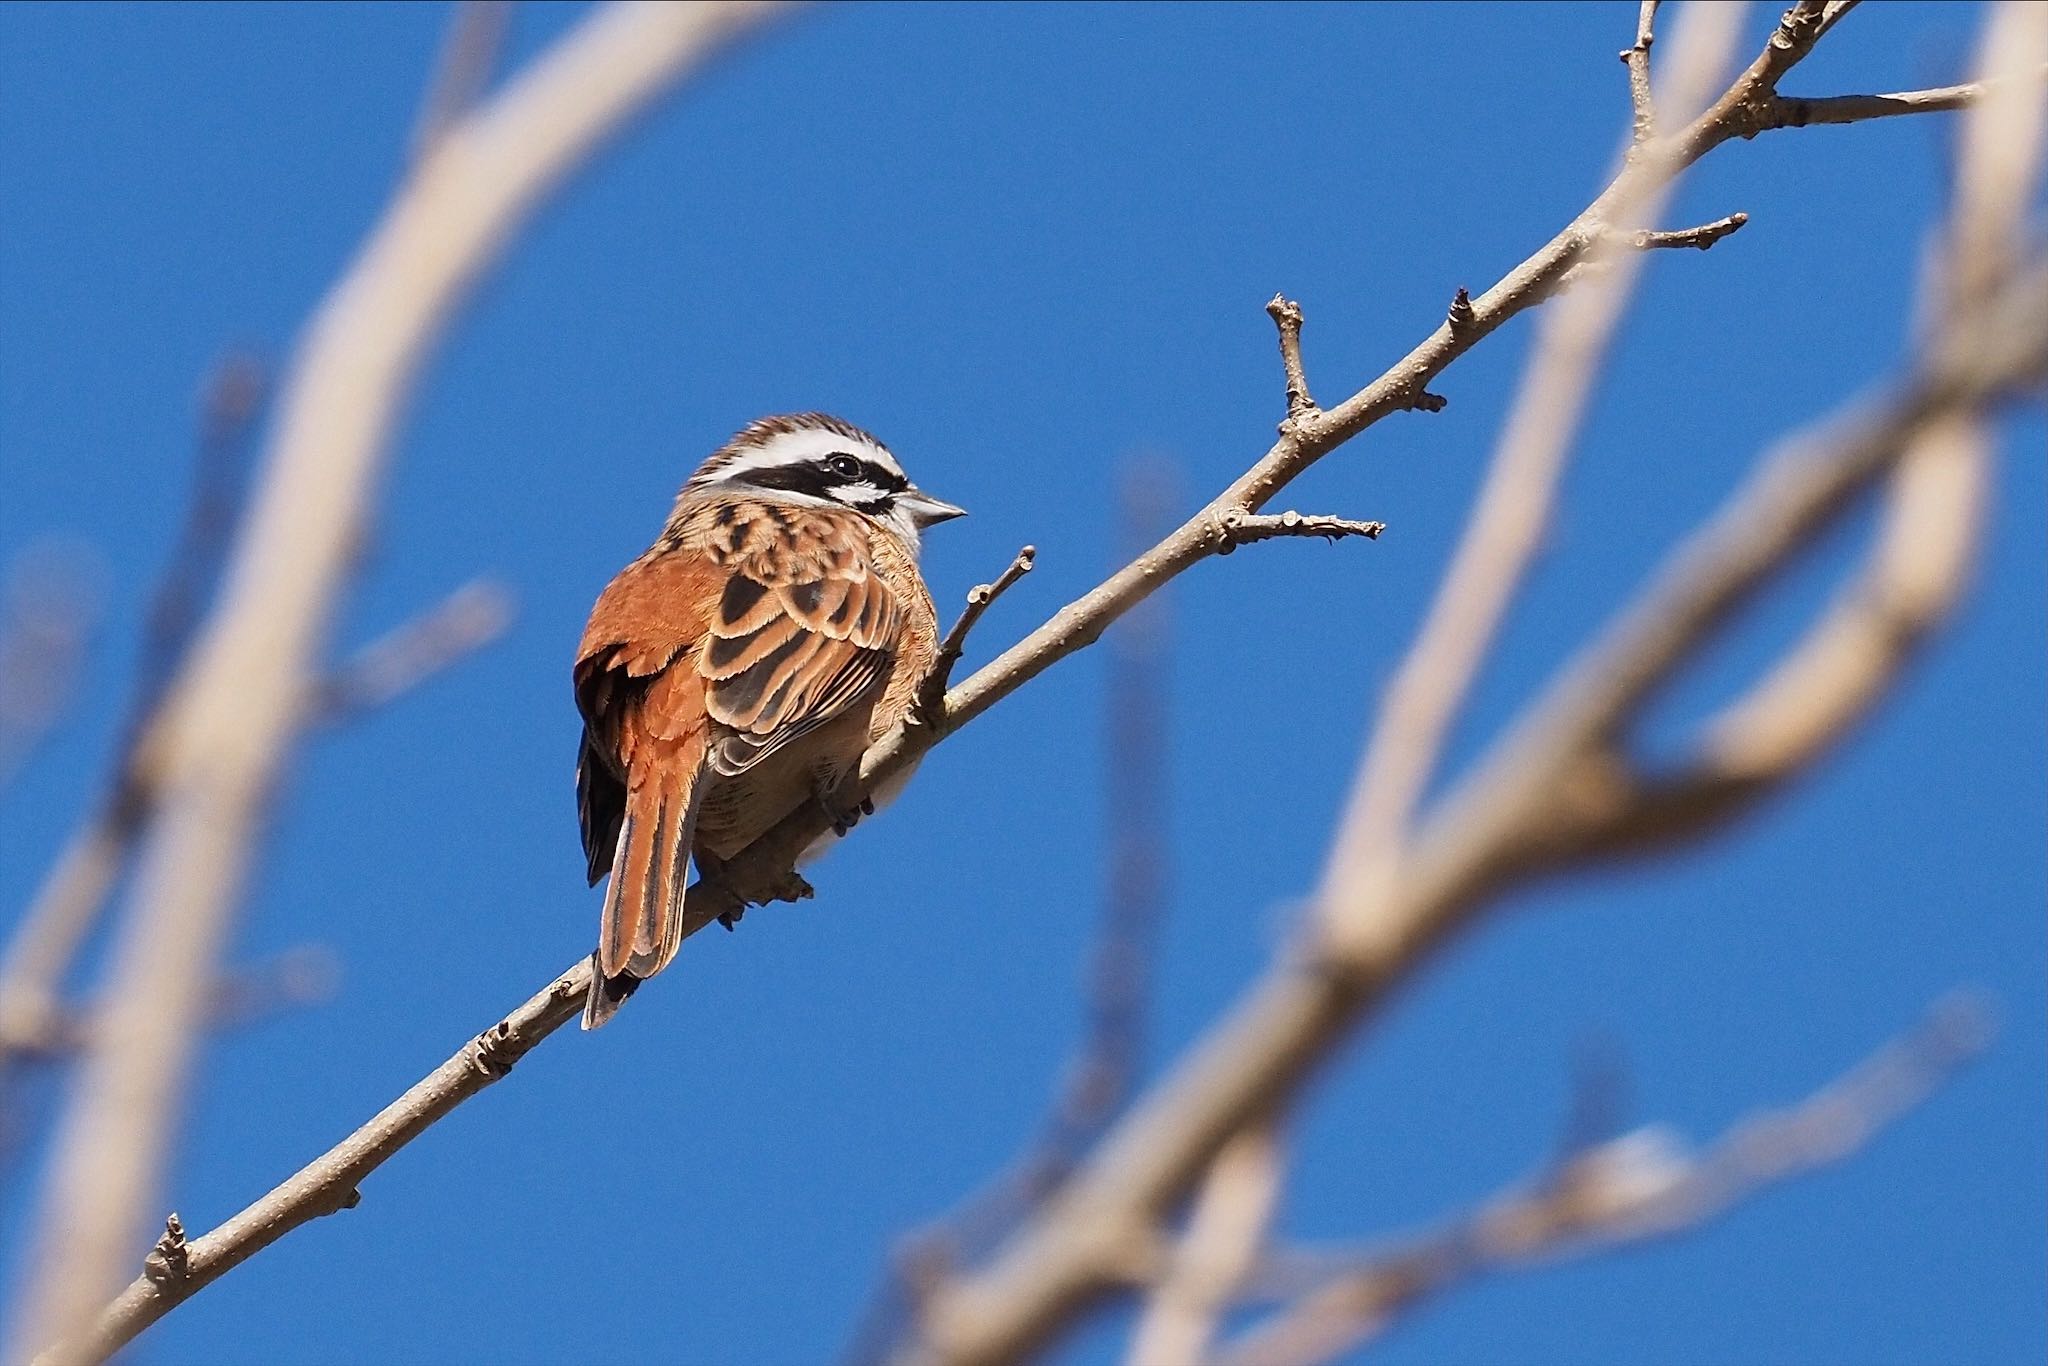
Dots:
(803, 634)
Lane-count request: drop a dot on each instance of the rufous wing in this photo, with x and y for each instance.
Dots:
(640, 773)
(804, 630)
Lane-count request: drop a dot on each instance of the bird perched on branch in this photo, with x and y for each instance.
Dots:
(741, 666)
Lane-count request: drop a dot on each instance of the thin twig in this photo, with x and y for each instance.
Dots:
(394, 664)
(1793, 111)
(1287, 317)
(932, 693)
(1638, 1187)
(1643, 125)
(1702, 237)
(230, 405)
(49, 602)
(292, 980)
(1239, 529)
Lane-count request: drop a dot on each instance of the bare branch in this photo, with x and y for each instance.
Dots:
(1703, 236)
(48, 604)
(1644, 124)
(1791, 111)
(329, 1184)
(232, 713)
(301, 977)
(759, 873)
(1225, 1235)
(34, 1023)
(1238, 529)
(1913, 575)
(1287, 318)
(1527, 807)
(1641, 1186)
(932, 693)
(464, 622)
(469, 56)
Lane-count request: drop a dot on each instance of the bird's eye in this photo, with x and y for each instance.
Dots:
(845, 466)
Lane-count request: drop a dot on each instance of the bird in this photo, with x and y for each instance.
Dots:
(777, 626)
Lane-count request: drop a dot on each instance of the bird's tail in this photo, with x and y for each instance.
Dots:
(643, 906)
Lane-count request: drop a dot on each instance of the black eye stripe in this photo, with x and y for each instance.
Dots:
(818, 478)
(854, 469)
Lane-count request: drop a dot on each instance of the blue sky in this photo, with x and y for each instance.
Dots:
(1024, 244)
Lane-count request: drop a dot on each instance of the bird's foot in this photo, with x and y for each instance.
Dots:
(713, 884)
(843, 815)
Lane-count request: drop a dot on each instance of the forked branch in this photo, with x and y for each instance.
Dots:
(931, 695)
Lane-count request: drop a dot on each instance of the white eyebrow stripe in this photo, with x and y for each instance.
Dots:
(796, 448)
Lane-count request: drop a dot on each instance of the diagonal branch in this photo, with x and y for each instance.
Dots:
(757, 874)
(329, 1184)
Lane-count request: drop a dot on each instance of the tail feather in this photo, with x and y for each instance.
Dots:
(643, 906)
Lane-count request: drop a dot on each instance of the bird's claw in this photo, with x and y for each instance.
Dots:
(843, 817)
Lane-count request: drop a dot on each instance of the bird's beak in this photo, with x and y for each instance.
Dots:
(926, 510)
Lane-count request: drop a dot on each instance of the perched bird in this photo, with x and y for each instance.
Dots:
(741, 666)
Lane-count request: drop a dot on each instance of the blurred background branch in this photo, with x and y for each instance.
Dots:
(1634, 1188)
(233, 713)
(1558, 789)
